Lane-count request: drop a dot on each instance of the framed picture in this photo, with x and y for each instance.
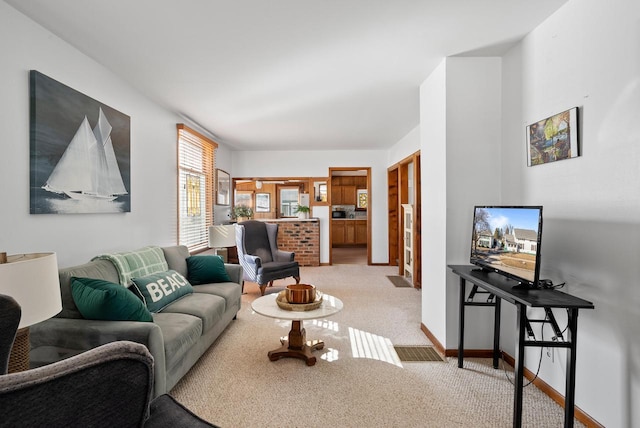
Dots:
(263, 202)
(223, 187)
(554, 138)
(79, 151)
(362, 199)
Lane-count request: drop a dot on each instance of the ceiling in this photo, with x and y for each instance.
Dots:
(287, 74)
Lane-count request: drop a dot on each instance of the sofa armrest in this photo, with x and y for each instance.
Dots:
(58, 338)
(235, 272)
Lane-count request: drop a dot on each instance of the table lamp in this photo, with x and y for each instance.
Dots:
(222, 236)
(32, 280)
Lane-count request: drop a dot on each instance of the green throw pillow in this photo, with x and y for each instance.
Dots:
(160, 289)
(206, 269)
(98, 299)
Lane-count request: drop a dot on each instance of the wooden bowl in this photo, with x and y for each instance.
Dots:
(300, 293)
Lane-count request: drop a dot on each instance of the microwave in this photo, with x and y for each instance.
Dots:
(338, 214)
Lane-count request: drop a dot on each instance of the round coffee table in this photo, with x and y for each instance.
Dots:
(297, 345)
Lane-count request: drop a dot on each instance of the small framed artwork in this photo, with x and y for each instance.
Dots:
(223, 187)
(554, 138)
(263, 202)
(362, 199)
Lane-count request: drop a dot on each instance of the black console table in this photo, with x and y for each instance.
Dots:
(501, 288)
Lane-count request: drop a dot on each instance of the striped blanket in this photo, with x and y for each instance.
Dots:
(137, 264)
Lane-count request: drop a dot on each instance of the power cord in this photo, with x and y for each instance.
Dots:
(506, 373)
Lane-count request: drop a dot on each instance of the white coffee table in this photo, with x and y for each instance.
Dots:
(297, 345)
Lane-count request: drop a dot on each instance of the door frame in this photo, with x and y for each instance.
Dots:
(367, 169)
(398, 182)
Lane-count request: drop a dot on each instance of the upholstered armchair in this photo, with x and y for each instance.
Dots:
(258, 253)
(108, 386)
(10, 313)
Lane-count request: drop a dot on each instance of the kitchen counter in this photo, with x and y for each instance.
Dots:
(300, 235)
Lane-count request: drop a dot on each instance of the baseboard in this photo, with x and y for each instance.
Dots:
(552, 393)
(580, 415)
(436, 343)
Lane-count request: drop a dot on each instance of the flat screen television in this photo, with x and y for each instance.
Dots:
(506, 240)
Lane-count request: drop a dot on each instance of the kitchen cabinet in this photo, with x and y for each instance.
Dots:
(348, 195)
(349, 232)
(337, 231)
(361, 231)
(343, 195)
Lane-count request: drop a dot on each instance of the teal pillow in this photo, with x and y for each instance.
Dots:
(160, 289)
(97, 299)
(206, 269)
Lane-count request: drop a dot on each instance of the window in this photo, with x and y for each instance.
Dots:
(288, 201)
(196, 173)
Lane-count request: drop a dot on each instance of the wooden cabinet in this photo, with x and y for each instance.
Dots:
(348, 195)
(343, 189)
(337, 231)
(361, 231)
(336, 194)
(349, 232)
(343, 195)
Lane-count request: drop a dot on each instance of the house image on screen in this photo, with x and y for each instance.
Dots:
(484, 239)
(522, 241)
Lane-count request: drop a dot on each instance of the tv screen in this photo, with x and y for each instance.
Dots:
(507, 240)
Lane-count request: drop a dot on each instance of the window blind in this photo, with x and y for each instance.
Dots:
(196, 174)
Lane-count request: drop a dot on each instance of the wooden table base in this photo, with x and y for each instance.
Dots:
(297, 346)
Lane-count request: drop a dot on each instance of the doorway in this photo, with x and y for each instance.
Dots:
(403, 193)
(350, 217)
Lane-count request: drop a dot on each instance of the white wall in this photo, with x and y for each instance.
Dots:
(473, 176)
(460, 142)
(475, 111)
(77, 237)
(316, 164)
(407, 146)
(588, 55)
(433, 179)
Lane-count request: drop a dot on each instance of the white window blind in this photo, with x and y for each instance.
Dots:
(196, 173)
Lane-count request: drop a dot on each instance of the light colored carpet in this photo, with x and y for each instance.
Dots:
(358, 380)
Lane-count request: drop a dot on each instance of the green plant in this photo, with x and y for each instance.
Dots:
(302, 209)
(242, 211)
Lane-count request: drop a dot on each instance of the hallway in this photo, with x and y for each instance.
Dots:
(349, 255)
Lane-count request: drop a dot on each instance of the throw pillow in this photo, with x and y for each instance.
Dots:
(206, 269)
(97, 299)
(160, 289)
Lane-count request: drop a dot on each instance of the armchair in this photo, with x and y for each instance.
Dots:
(258, 253)
(10, 313)
(108, 386)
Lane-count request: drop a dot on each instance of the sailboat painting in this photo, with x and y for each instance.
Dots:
(80, 152)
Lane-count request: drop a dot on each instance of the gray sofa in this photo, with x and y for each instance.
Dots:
(176, 338)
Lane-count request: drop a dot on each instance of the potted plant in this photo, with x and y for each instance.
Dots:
(303, 211)
(242, 212)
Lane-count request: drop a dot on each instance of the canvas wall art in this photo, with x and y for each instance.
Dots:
(554, 138)
(79, 151)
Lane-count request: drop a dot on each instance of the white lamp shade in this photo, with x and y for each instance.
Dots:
(222, 235)
(32, 280)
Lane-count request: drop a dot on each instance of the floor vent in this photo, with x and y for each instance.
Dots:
(417, 353)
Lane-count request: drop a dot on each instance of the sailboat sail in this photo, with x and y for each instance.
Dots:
(88, 168)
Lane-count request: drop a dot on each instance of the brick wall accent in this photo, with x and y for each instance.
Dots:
(301, 237)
